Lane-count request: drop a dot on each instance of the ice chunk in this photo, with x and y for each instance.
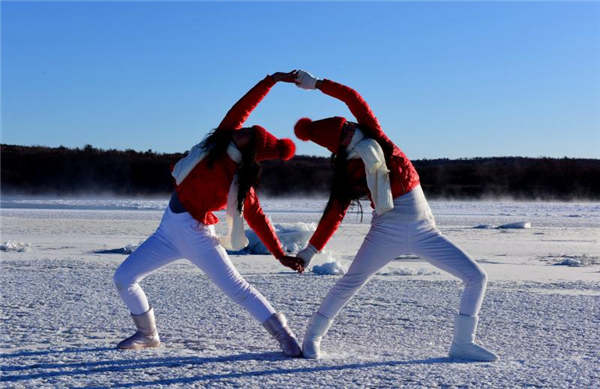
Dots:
(293, 237)
(329, 268)
(517, 225)
(128, 249)
(18, 247)
(578, 261)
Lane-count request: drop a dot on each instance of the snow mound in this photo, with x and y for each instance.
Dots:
(18, 247)
(329, 268)
(408, 272)
(128, 249)
(517, 225)
(293, 237)
(578, 261)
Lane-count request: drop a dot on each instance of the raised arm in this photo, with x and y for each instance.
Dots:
(356, 104)
(237, 115)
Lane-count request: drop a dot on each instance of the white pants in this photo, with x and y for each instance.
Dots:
(409, 228)
(179, 235)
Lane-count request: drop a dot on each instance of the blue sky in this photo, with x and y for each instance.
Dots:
(445, 79)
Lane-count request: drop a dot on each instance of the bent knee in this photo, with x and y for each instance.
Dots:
(122, 280)
(478, 277)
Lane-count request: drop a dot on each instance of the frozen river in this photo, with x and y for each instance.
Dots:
(60, 316)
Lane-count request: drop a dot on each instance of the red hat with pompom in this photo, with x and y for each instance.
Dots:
(325, 132)
(267, 146)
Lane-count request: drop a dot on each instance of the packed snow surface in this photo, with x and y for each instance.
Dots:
(61, 317)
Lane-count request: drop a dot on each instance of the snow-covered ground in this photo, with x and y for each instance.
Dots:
(60, 316)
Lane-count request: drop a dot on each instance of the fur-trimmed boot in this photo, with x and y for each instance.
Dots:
(317, 328)
(463, 345)
(146, 335)
(276, 325)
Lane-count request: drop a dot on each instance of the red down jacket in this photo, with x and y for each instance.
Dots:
(403, 176)
(205, 189)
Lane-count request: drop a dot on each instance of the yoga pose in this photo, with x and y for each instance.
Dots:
(368, 163)
(218, 173)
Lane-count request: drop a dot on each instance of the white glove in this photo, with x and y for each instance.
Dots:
(307, 254)
(305, 80)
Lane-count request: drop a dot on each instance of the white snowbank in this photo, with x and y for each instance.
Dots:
(329, 268)
(517, 225)
(578, 261)
(127, 249)
(293, 237)
(18, 247)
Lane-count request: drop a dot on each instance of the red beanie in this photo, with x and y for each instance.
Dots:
(325, 132)
(269, 147)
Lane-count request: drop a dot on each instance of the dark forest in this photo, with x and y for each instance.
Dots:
(85, 171)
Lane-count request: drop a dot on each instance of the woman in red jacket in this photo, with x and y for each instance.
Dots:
(218, 173)
(368, 163)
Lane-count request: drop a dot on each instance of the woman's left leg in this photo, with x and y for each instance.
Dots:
(438, 250)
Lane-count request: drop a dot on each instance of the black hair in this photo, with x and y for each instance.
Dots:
(342, 189)
(248, 170)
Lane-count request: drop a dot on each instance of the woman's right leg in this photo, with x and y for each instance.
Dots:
(155, 252)
(376, 251)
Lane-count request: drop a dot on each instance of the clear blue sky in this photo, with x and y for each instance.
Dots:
(445, 79)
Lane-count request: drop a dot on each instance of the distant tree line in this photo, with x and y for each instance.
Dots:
(88, 170)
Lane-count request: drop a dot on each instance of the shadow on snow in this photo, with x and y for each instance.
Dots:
(119, 365)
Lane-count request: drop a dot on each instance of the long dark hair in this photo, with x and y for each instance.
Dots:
(342, 188)
(248, 170)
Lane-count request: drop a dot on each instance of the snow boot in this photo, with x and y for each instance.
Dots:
(317, 328)
(276, 325)
(463, 345)
(146, 335)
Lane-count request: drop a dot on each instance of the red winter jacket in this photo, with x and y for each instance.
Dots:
(403, 176)
(205, 189)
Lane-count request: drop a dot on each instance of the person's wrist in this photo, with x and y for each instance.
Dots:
(307, 254)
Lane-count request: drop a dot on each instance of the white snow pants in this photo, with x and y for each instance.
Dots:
(179, 235)
(409, 228)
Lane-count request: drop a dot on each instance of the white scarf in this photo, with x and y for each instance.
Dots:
(378, 178)
(235, 238)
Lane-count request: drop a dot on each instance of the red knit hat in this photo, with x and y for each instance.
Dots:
(269, 147)
(325, 132)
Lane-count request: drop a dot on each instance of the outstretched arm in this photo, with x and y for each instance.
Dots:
(356, 104)
(329, 223)
(258, 221)
(240, 111)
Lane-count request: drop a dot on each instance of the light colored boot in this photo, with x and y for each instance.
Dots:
(463, 345)
(276, 325)
(146, 335)
(317, 328)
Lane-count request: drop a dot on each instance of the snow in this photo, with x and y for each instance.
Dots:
(60, 315)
